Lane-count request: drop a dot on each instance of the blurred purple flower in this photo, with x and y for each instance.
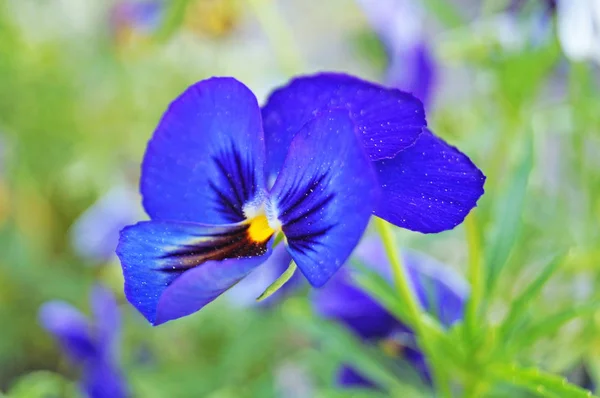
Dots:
(91, 345)
(398, 23)
(244, 294)
(440, 291)
(95, 234)
(136, 17)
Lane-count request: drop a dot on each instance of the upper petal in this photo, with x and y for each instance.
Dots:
(206, 158)
(429, 187)
(71, 328)
(387, 120)
(173, 269)
(323, 195)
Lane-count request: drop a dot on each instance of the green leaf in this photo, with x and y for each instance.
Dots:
(522, 303)
(347, 348)
(509, 216)
(446, 12)
(550, 325)
(541, 383)
(279, 282)
(42, 384)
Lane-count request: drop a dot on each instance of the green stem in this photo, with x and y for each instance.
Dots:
(413, 308)
(475, 273)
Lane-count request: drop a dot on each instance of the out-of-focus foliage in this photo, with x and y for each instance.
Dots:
(81, 92)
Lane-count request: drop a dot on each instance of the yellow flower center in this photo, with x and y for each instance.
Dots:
(260, 231)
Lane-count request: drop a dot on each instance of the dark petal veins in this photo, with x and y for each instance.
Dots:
(205, 160)
(387, 120)
(324, 194)
(155, 255)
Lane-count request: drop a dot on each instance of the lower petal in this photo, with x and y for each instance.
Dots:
(174, 269)
(429, 187)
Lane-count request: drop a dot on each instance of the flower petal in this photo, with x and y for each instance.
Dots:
(206, 158)
(323, 195)
(71, 328)
(388, 120)
(173, 269)
(429, 187)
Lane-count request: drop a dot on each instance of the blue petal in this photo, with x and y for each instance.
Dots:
(107, 320)
(174, 269)
(324, 195)
(429, 187)
(388, 120)
(206, 158)
(71, 328)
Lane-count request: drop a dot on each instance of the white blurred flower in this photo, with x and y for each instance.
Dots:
(579, 29)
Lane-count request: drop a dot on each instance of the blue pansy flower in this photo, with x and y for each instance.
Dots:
(440, 292)
(91, 345)
(219, 185)
(214, 216)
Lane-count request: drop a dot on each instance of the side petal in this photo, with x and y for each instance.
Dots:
(429, 187)
(323, 195)
(71, 328)
(174, 269)
(205, 160)
(387, 120)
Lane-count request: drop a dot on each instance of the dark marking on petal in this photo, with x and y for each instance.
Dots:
(234, 243)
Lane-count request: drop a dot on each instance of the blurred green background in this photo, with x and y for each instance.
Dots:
(81, 92)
